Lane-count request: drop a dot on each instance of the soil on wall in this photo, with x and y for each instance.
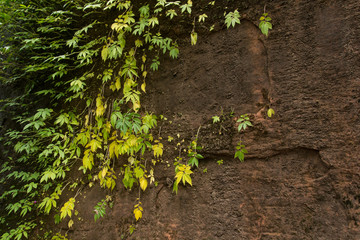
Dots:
(301, 178)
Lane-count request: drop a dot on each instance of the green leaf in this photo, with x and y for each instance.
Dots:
(243, 121)
(43, 113)
(186, 7)
(216, 119)
(49, 174)
(240, 154)
(171, 13)
(144, 11)
(202, 17)
(155, 64)
(174, 52)
(153, 21)
(265, 24)
(193, 161)
(62, 119)
(232, 18)
(139, 173)
(175, 187)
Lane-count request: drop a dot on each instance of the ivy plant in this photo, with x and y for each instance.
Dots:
(83, 67)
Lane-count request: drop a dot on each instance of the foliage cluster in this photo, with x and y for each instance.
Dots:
(83, 66)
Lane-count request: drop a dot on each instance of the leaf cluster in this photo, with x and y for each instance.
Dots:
(265, 24)
(240, 151)
(244, 121)
(72, 58)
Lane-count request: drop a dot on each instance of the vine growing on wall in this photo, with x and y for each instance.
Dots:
(83, 66)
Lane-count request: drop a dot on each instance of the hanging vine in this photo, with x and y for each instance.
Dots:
(90, 61)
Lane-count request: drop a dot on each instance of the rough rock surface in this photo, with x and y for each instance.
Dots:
(301, 178)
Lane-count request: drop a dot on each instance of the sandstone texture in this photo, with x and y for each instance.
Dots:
(301, 177)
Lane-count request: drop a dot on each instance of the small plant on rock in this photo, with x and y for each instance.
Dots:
(244, 121)
(241, 151)
(216, 119)
(194, 155)
(183, 173)
(265, 24)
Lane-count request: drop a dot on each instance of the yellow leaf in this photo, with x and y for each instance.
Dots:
(193, 38)
(115, 26)
(113, 184)
(132, 140)
(270, 112)
(94, 144)
(182, 168)
(136, 106)
(151, 138)
(86, 120)
(98, 100)
(188, 179)
(67, 208)
(188, 172)
(179, 176)
(143, 183)
(131, 160)
(113, 149)
(138, 43)
(144, 74)
(104, 53)
(143, 58)
(100, 109)
(137, 213)
(70, 223)
(88, 160)
(112, 87)
(152, 178)
(158, 149)
(108, 182)
(117, 83)
(118, 26)
(103, 172)
(143, 86)
(100, 177)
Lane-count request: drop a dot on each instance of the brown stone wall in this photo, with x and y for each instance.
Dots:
(301, 178)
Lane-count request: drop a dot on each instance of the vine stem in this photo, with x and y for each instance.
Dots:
(196, 139)
(65, 186)
(197, 134)
(78, 191)
(139, 194)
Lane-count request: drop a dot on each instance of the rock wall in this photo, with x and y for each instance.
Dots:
(301, 178)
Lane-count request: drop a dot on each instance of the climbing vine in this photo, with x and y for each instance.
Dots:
(83, 66)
